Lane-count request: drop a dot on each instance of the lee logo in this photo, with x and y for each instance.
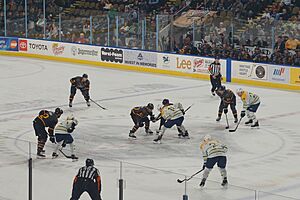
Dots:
(183, 64)
(23, 45)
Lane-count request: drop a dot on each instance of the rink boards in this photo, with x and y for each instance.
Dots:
(257, 74)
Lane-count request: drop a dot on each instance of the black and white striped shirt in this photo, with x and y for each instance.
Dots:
(89, 172)
(214, 69)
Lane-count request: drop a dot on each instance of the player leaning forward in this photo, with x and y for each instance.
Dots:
(83, 84)
(63, 135)
(173, 114)
(139, 116)
(251, 103)
(213, 153)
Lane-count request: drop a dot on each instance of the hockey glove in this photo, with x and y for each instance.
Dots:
(204, 165)
(243, 113)
(52, 139)
(183, 112)
(225, 110)
(152, 118)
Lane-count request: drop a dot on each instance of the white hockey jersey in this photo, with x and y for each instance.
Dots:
(249, 99)
(172, 111)
(212, 148)
(62, 127)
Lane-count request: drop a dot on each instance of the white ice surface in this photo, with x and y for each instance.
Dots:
(265, 159)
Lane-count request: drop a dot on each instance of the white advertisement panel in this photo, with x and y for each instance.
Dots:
(187, 64)
(262, 72)
(140, 58)
(251, 71)
(60, 49)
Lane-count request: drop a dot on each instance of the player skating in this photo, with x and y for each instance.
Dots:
(227, 98)
(173, 114)
(83, 84)
(45, 119)
(139, 116)
(214, 70)
(251, 103)
(213, 153)
(63, 136)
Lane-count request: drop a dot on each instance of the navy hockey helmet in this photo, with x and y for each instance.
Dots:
(89, 162)
(85, 76)
(150, 106)
(165, 102)
(58, 111)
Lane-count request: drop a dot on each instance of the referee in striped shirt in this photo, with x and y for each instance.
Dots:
(87, 180)
(215, 75)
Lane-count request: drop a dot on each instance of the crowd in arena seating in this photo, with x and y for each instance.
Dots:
(271, 28)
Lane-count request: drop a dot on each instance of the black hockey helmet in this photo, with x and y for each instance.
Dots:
(165, 102)
(85, 76)
(89, 162)
(58, 111)
(150, 106)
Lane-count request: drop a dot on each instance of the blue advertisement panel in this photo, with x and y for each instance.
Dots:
(8, 44)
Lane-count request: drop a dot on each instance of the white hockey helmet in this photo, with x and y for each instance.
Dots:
(239, 90)
(206, 138)
(72, 119)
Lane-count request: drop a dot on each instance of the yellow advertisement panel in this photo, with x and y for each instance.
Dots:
(295, 76)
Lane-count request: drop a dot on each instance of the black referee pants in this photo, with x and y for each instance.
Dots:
(215, 82)
(85, 185)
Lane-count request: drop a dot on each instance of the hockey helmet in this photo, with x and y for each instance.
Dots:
(206, 138)
(150, 106)
(58, 112)
(239, 90)
(89, 162)
(84, 76)
(165, 102)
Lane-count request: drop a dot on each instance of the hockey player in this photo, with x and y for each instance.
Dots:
(139, 116)
(173, 115)
(165, 102)
(213, 152)
(227, 98)
(87, 180)
(83, 84)
(214, 70)
(63, 135)
(251, 103)
(45, 119)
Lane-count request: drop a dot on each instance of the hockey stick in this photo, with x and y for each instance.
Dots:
(187, 179)
(65, 155)
(98, 104)
(233, 130)
(227, 127)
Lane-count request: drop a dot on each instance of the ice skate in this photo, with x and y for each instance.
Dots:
(70, 104)
(132, 136)
(224, 182)
(202, 182)
(157, 140)
(236, 120)
(54, 155)
(255, 124)
(250, 121)
(218, 119)
(88, 103)
(148, 131)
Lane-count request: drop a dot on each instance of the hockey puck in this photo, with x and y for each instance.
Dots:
(227, 127)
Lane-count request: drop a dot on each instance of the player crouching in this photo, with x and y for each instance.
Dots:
(139, 116)
(172, 114)
(63, 136)
(251, 103)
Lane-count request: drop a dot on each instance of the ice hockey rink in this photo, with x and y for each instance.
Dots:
(266, 159)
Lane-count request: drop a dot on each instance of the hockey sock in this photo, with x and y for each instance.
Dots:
(72, 147)
(206, 173)
(223, 172)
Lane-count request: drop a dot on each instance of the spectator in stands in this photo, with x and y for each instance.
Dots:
(292, 43)
(279, 45)
(81, 39)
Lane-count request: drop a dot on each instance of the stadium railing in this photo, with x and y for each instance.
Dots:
(21, 180)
